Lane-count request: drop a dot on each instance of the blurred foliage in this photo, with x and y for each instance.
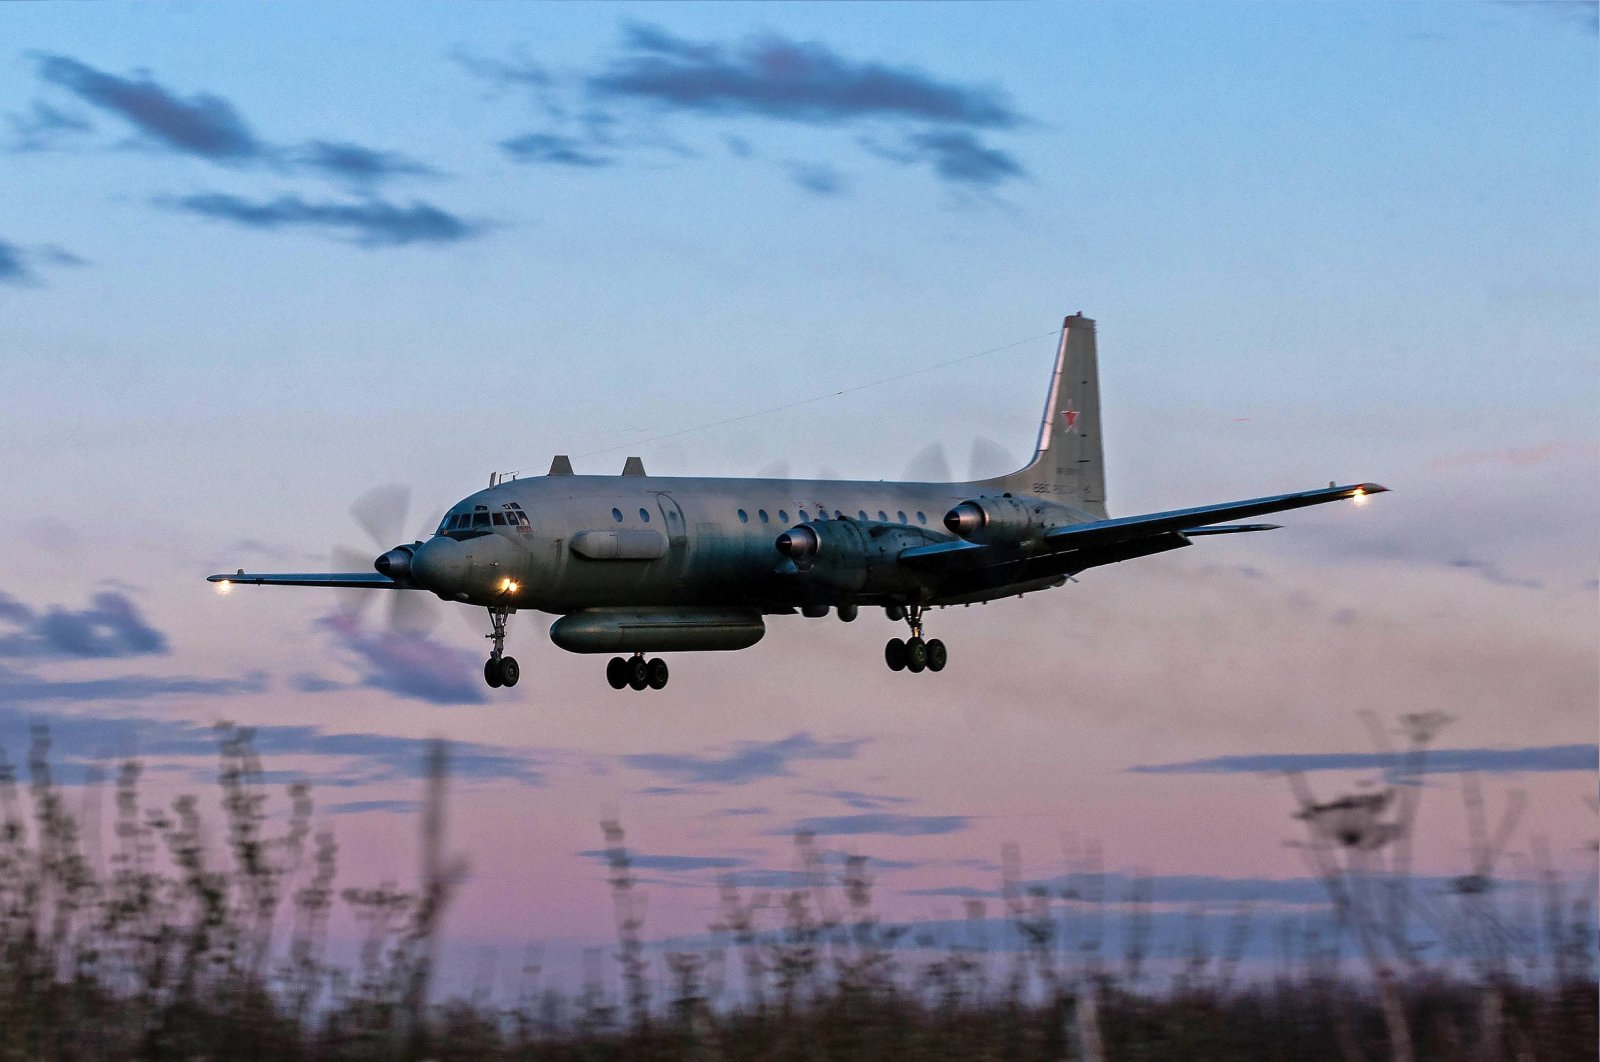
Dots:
(179, 942)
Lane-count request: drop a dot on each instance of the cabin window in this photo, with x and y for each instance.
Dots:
(644, 514)
(783, 516)
(762, 513)
(744, 517)
(805, 517)
(499, 519)
(837, 515)
(616, 514)
(883, 517)
(901, 514)
(862, 516)
(922, 518)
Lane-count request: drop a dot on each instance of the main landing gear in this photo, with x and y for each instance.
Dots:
(500, 670)
(636, 672)
(913, 654)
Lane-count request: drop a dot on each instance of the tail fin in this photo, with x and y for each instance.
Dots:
(1068, 463)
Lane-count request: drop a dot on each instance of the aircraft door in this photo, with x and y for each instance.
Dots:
(677, 531)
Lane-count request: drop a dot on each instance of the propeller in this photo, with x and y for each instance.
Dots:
(989, 458)
(382, 513)
(930, 465)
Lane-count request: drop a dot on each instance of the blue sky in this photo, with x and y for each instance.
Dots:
(255, 260)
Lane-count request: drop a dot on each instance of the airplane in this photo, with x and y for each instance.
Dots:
(637, 564)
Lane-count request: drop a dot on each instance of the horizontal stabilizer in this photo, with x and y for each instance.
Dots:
(353, 580)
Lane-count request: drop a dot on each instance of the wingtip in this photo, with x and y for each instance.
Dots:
(1374, 488)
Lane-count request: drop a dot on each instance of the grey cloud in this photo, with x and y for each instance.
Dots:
(880, 823)
(743, 812)
(357, 165)
(671, 862)
(364, 758)
(43, 126)
(22, 688)
(858, 800)
(817, 178)
(775, 78)
(553, 149)
(306, 682)
(1493, 573)
(202, 125)
(956, 155)
(1533, 759)
(367, 223)
(19, 266)
(750, 761)
(409, 664)
(112, 626)
(356, 807)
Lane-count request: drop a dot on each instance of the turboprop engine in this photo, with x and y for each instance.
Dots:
(854, 556)
(1007, 521)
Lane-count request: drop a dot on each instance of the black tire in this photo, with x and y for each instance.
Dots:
(916, 655)
(894, 654)
(617, 673)
(894, 613)
(638, 673)
(938, 655)
(491, 673)
(656, 673)
(848, 613)
(510, 672)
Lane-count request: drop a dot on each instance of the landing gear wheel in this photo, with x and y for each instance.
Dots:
(937, 655)
(916, 655)
(656, 674)
(491, 673)
(894, 654)
(509, 671)
(848, 613)
(638, 673)
(617, 672)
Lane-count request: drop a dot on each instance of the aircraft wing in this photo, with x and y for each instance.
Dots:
(1106, 541)
(357, 580)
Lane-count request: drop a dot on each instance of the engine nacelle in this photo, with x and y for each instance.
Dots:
(1007, 521)
(852, 556)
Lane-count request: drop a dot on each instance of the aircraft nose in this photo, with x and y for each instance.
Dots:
(440, 564)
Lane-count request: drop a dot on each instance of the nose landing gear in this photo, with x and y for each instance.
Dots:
(914, 654)
(636, 673)
(500, 670)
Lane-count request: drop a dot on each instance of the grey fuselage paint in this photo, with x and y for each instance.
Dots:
(713, 558)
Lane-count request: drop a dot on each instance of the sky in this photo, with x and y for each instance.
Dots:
(256, 261)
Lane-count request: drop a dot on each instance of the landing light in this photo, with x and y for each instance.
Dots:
(507, 586)
(224, 587)
(1360, 496)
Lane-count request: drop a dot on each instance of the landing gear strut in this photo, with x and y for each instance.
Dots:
(636, 672)
(913, 654)
(500, 670)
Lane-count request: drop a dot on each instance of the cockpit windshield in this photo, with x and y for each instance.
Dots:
(479, 520)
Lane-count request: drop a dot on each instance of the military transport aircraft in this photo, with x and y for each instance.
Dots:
(637, 564)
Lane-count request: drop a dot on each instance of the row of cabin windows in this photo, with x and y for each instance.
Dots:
(805, 516)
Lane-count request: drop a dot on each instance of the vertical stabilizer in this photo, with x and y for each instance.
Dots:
(1068, 462)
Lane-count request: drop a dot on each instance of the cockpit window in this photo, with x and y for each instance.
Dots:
(499, 519)
(480, 519)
